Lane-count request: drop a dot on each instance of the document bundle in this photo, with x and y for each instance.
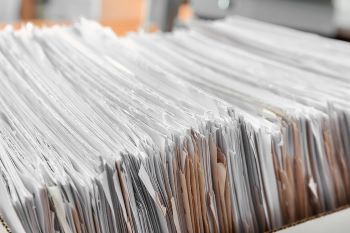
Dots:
(225, 126)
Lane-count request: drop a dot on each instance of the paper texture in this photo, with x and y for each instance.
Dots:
(226, 126)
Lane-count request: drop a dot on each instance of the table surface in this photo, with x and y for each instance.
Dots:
(336, 222)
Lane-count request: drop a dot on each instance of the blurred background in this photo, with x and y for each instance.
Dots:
(326, 17)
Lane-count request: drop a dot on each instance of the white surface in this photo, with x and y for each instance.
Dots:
(342, 18)
(72, 9)
(305, 15)
(338, 222)
(9, 10)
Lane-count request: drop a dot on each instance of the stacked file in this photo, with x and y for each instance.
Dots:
(227, 126)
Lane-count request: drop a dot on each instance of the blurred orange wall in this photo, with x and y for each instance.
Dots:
(122, 15)
(122, 9)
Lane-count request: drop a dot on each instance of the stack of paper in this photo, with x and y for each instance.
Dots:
(229, 126)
